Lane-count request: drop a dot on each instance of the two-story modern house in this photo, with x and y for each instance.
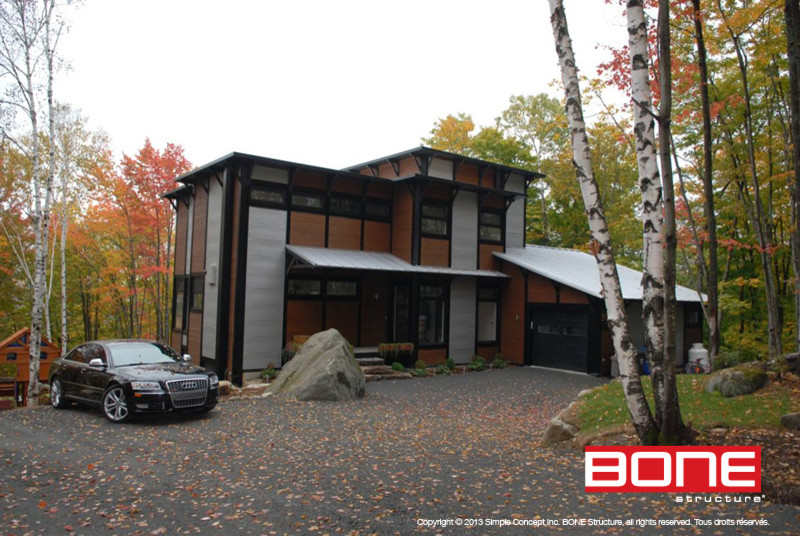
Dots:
(422, 246)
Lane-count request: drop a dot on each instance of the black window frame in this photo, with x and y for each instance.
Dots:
(500, 226)
(317, 194)
(197, 281)
(446, 219)
(304, 296)
(495, 298)
(336, 197)
(378, 217)
(444, 300)
(180, 285)
(258, 188)
(341, 297)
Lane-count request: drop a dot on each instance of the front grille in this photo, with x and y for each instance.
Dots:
(192, 384)
(188, 392)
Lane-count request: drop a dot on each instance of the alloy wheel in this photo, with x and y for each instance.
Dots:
(115, 406)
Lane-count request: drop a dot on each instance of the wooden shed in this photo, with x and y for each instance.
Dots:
(15, 351)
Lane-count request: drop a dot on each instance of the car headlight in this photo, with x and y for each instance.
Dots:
(213, 380)
(145, 386)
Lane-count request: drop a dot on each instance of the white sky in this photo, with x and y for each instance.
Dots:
(328, 83)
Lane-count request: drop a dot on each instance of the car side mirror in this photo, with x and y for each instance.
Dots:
(97, 363)
(187, 358)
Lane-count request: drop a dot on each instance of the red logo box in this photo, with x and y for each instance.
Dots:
(673, 469)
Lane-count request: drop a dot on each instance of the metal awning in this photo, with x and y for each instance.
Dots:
(578, 270)
(345, 259)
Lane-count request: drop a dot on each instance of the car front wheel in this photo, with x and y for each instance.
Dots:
(115, 405)
(57, 395)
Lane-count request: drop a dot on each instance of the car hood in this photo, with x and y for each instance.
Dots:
(165, 372)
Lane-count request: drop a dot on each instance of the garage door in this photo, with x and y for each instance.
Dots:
(560, 338)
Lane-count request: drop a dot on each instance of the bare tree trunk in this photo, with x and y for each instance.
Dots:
(665, 387)
(64, 326)
(792, 16)
(759, 225)
(713, 317)
(609, 278)
(650, 185)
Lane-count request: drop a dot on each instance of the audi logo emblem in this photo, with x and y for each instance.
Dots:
(189, 385)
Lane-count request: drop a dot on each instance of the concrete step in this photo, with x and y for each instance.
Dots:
(370, 361)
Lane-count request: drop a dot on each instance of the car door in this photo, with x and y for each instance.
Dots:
(94, 379)
(70, 372)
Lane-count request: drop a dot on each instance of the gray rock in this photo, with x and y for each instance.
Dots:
(792, 362)
(791, 421)
(224, 387)
(737, 381)
(557, 432)
(323, 369)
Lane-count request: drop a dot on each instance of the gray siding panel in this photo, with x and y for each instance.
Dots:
(211, 297)
(515, 224)
(441, 169)
(263, 307)
(465, 231)
(462, 318)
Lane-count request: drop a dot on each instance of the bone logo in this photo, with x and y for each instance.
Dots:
(673, 469)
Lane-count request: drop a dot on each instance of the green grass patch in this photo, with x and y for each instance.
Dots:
(605, 406)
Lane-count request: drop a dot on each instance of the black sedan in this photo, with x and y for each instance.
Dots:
(131, 376)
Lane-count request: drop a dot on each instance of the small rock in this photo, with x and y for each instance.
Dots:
(584, 393)
(399, 376)
(791, 421)
(373, 377)
(562, 428)
(224, 387)
(719, 430)
(381, 369)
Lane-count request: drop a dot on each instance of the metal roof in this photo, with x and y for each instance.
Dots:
(578, 270)
(345, 259)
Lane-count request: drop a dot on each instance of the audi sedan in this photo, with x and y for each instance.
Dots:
(131, 376)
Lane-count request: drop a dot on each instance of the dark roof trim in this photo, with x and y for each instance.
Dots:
(428, 151)
(455, 185)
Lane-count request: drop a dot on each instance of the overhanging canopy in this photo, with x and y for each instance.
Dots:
(345, 259)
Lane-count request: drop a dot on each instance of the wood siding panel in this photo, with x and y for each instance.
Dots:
(571, 295)
(487, 260)
(408, 166)
(381, 191)
(488, 352)
(377, 236)
(433, 356)
(199, 229)
(375, 297)
(468, 173)
(401, 227)
(237, 198)
(175, 340)
(305, 178)
(435, 252)
(344, 317)
(195, 343)
(181, 229)
(488, 178)
(540, 289)
(347, 186)
(512, 322)
(303, 318)
(343, 233)
(307, 229)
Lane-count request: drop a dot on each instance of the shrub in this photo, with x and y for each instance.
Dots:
(392, 352)
(450, 363)
(397, 366)
(477, 363)
(444, 370)
(420, 364)
(499, 362)
(269, 373)
(732, 358)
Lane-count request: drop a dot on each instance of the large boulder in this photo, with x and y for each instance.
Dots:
(323, 369)
(562, 428)
(742, 380)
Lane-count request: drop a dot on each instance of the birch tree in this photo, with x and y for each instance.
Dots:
(601, 240)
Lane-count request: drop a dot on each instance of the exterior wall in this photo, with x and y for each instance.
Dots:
(199, 220)
(465, 230)
(376, 295)
(434, 356)
(469, 174)
(303, 317)
(441, 168)
(211, 291)
(377, 236)
(515, 224)
(237, 196)
(187, 268)
(462, 319)
(307, 229)
(403, 214)
(194, 335)
(263, 307)
(487, 260)
(540, 289)
(344, 233)
(181, 226)
(344, 317)
(512, 321)
(434, 252)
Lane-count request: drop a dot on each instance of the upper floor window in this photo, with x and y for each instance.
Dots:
(345, 206)
(261, 196)
(491, 226)
(378, 209)
(311, 201)
(435, 218)
(197, 293)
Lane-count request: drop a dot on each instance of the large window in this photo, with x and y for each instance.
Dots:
(487, 314)
(304, 288)
(491, 226)
(310, 201)
(341, 289)
(197, 293)
(378, 209)
(435, 219)
(432, 301)
(179, 309)
(345, 206)
(263, 196)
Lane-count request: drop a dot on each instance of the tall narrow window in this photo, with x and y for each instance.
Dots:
(197, 293)
(179, 309)
(432, 300)
(435, 219)
(487, 314)
(491, 227)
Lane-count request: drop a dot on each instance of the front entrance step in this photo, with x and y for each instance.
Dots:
(370, 361)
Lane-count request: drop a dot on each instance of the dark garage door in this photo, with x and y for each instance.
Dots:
(560, 338)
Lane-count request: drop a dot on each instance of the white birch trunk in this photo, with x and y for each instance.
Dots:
(649, 184)
(609, 278)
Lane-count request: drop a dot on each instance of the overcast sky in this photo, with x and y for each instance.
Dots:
(328, 83)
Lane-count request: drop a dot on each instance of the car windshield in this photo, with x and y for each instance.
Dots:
(141, 353)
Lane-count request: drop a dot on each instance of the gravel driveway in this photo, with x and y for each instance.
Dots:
(432, 449)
